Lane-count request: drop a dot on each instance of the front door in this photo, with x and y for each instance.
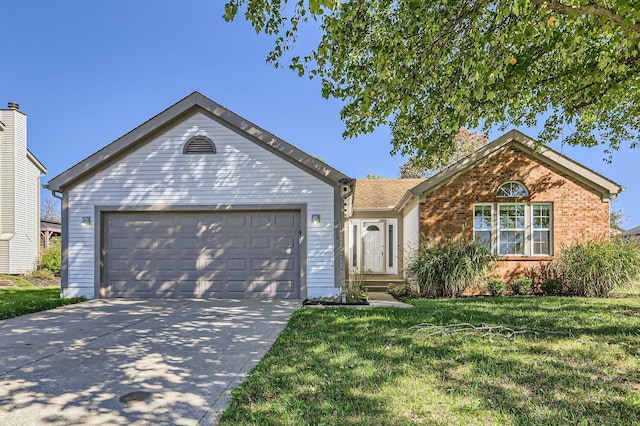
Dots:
(373, 242)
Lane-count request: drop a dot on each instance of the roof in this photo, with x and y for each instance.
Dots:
(36, 162)
(381, 194)
(608, 188)
(189, 105)
(632, 231)
(48, 225)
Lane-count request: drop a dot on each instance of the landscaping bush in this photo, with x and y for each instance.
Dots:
(43, 274)
(355, 289)
(401, 291)
(551, 286)
(447, 268)
(521, 286)
(51, 260)
(495, 286)
(594, 268)
(541, 273)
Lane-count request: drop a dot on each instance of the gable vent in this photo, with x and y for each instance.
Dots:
(199, 145)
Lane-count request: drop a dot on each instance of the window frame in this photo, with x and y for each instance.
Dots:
(512, 183)
(529, 243)
(522, 230)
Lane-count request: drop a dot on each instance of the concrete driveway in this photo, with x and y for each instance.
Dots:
(132, 361)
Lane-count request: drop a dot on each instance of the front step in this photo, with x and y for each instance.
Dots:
(377, 285)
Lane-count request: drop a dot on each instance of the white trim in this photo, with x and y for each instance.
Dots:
(391, 257)
(528, 228)
(523, 229)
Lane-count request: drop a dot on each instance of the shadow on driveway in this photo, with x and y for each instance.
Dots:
(132, 361)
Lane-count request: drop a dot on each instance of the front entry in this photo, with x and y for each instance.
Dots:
(373, 242)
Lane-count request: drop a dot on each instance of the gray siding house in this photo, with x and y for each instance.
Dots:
(20, 174)
(199, 202)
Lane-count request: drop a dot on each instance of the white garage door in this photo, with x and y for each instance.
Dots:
(201, 254)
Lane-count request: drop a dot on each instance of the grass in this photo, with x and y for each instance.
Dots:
(27, 298)
(365, 367)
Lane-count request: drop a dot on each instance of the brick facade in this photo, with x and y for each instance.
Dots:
(578, 211)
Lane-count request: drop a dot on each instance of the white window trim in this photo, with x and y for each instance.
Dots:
(492, 229)
(549, 229)
(523, 230)
(392, 258)
(528, 228)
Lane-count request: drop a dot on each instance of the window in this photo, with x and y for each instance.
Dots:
(482, 224)
(199, 145)
(354, 250)
(514, 229)
(511, 229)
(512, 189)
(541, 232)
(390, 245)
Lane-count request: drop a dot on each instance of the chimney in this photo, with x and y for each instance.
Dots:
(13, 106)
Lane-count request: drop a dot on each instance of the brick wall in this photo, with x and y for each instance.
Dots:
(578, 211)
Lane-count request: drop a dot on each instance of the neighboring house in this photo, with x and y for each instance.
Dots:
(20, 173)
(633, 232)
(199, 202)
(48, 229)
(523, 201)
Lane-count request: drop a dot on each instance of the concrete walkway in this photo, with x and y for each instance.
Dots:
(132, 362)
(385, 300)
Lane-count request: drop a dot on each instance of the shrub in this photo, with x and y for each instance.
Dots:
(594, 268)
(521, 285)
(447, 268)
(401, 291)
(44, 274)
(551, 286)
(542, 273)
(495, 286)
(51, 260)
(355, 289)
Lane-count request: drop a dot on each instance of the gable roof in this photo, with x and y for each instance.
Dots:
(608, 188)
(192, 103)
(381, 194)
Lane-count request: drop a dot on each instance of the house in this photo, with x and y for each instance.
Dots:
(522, 201)
(20, 173)
(633, 232)
(199, 202)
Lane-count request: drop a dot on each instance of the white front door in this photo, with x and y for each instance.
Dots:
(373, 246)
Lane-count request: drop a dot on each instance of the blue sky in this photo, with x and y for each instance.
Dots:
(87, 72)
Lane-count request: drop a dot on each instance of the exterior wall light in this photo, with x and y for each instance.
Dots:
(86, 221)
(315, 219)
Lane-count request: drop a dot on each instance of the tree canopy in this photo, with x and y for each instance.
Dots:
(467, 143)
(427, 68)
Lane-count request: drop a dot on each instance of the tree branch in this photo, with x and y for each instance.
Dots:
(588, 9)
(466, 329)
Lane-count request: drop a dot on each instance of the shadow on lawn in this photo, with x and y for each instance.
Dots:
(344, 366)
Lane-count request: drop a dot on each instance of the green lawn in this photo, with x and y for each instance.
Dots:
(352, 366)
(27, 298)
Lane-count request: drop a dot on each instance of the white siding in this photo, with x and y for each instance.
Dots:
(241, 173)
(411, 229)
(20, 189)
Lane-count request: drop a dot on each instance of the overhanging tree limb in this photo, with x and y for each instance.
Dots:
(590, 8)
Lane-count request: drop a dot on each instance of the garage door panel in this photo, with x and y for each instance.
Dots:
(230, 254)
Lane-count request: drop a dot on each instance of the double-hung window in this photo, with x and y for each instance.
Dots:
(514, 229)
(511, 229)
